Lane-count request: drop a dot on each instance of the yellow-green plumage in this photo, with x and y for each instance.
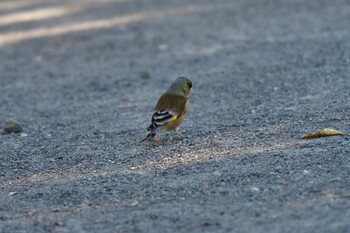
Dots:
(177, 104)
(171, 108)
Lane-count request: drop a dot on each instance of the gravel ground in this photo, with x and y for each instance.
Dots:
(82, 78)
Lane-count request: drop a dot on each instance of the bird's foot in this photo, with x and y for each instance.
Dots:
(181, 136)
(157, 138)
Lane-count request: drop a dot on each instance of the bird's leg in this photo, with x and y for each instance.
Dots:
(157, 138)
(178, 133)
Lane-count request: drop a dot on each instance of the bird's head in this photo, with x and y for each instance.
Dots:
(181, 86)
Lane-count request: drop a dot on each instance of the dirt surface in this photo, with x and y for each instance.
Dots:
(82, 78)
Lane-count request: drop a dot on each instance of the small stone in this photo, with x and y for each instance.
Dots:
(12, 126)
(217, 173)
(306, 172)
(24, 135)
(278, 169)
(249, 121)
(127, 84)
(134, 203)
(126, 99)
(145, 74)
(254, 189)
(39, 59)
(163, 47)
(55, 210)
(224, 192)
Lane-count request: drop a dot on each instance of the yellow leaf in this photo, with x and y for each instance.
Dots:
(326, 132)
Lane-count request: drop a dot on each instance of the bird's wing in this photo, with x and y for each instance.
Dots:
(172, 103)
(164, 117)
(168, 109)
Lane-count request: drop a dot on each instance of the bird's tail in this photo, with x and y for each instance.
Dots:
(151, 135)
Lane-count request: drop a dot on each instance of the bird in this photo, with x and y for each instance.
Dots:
(171, 109)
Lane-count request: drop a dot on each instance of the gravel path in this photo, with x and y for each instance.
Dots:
(83, 76)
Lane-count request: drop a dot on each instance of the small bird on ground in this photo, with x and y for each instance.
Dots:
(171, 109)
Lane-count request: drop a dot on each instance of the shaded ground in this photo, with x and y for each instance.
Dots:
(264, 73)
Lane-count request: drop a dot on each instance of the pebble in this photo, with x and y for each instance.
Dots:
(254, 189)
(278, 169)
(145, 74)
(217, 173)
(249, 121)
(12, 126)
(306, 172)
(163, 47)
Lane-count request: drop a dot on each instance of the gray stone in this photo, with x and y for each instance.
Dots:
(12, 126)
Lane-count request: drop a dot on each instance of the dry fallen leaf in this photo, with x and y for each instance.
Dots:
(12, 193)
(326, 132)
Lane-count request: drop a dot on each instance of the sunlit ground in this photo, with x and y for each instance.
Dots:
(12, 37)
